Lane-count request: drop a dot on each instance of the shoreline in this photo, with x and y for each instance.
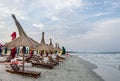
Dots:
(90, 67)
(73, 68)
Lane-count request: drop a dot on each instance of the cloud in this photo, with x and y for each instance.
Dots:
(5, 32)
(5, 12)
(40, 25)
(78, 24)
(104, 36)
(63, 4)
(100, 14)
(115, 5)
(52, 8)
(53, 18)
(33, 33)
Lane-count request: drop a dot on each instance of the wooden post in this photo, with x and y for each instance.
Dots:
(23, 52)
(23, 62)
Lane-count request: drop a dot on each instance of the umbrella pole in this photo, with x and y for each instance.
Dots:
(23, 62)
(23, 51)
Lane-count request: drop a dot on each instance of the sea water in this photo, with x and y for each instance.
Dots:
(108, 64)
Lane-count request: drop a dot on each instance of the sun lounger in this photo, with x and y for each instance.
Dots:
(16, 70)
(60, 57)
(42, 65)
(53, 60)
(39, 62)
(8, 59)
(48, 61)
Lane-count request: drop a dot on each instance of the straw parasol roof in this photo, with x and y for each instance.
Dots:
(57, 47)
(23, 39)
(43, 45)
(43, 39)
(51, 45)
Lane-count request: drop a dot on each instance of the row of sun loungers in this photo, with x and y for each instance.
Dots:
(36, 61)
(50, 64)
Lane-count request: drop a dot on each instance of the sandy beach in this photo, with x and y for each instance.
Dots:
(72, 69)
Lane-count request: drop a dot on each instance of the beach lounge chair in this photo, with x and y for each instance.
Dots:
(40, 63)
(8, 59)
(59, 59)
(53, 60)
(49, 62)
(16, 70)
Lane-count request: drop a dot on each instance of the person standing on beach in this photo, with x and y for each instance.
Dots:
(6, 49)
(63, 51)
(18, 50)
(0, 51)
(27, 50)
(13, 52)
(24, 50)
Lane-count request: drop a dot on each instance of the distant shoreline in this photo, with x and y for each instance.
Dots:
(94, 52)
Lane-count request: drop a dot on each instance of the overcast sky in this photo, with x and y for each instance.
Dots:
(80, 25)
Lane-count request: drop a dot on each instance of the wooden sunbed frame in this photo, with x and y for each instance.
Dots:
(54, 61)
(8, 59)
(42, 64)
(60, 58)
(16, 70)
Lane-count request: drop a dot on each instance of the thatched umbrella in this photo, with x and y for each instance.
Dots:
(43, 39)
(57, 47)
(51, 46)
(43, 46)
(23, 39)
